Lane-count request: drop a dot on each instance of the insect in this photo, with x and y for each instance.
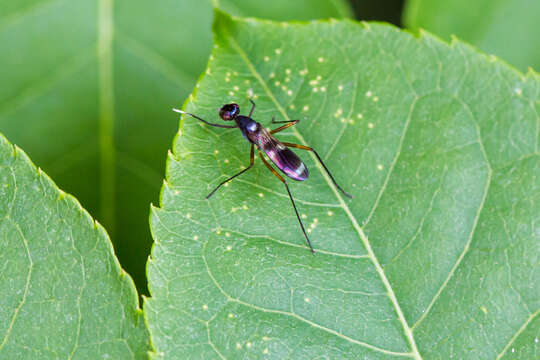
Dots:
(278, 152)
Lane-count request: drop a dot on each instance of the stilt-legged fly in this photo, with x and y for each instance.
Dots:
(277, 151)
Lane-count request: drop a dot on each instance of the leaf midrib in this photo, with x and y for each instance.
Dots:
(407, 330)
(105, 30)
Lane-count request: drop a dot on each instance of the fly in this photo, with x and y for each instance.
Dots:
(278, 152)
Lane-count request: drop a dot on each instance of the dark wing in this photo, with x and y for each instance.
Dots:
(283, 157)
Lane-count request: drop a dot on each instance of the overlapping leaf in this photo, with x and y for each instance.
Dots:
(435, 257)
(64, 294)
(506, 28)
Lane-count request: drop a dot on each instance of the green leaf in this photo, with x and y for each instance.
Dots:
(99, 122)
(64, 294)
(506, 28)
(435, 257)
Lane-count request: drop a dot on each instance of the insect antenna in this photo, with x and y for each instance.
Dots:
(201, 119)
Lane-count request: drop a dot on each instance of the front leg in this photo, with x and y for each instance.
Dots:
(284, 121)
(252, 107)
(289, 123)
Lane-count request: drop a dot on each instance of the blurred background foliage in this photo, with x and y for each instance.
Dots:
(509, 29)
(97, 116)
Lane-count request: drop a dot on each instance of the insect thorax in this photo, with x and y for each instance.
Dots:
(249, 127)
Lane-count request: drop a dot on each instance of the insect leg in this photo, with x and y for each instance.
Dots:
(303, 147)
(204, 121)
(252, 107)
(251, 161)
(283, 127)
(282, 122)
(290, 197)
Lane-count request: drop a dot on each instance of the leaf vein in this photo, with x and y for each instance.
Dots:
(518, 332)
(294, 315)
(393, 164)
(475, 223)
(26, 286)
(363, 237)
(106, 114)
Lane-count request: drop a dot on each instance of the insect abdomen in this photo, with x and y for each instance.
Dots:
(288, 162)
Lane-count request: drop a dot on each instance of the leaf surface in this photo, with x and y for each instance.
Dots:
(87, 88)
(506, 28)
(435, 257)
(64, 294)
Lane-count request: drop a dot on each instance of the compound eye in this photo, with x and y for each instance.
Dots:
(229, 111)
